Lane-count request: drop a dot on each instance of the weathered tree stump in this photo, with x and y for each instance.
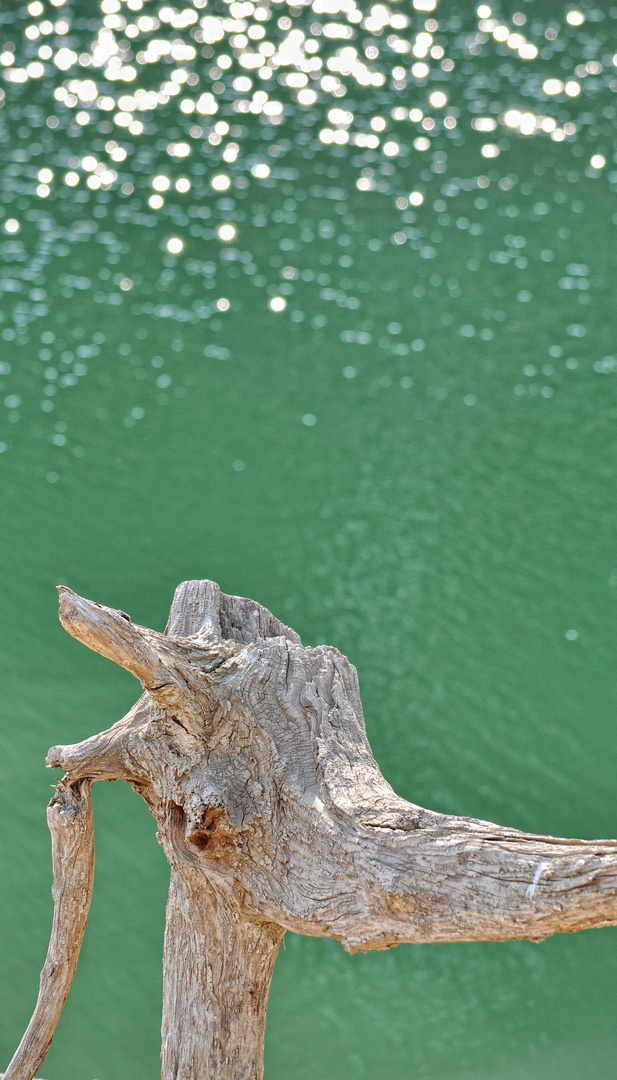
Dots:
(251, 753)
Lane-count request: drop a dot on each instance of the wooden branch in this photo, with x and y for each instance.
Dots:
(253, 757)
(69, 816)
(112, 634)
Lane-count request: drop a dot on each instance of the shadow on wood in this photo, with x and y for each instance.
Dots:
(251, 753)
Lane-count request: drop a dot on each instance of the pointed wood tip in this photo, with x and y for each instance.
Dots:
(78, 615)
(113, 634)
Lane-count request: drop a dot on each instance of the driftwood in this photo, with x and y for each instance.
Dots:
(69, 816)
(251, 753)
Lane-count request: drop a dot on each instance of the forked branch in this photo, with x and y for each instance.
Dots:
(251, 752)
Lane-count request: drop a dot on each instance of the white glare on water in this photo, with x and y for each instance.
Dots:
(263, 67)
(161, 183)
(206, 125)
(226, 232)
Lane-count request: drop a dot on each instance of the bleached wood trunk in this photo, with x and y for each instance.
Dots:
(252, 755)
(217, 969)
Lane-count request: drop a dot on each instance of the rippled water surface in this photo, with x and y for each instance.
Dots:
(318, 301)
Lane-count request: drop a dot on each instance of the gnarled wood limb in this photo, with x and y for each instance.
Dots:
(251, 752)
(69, 816)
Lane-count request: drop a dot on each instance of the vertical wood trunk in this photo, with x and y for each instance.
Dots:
(217, 972)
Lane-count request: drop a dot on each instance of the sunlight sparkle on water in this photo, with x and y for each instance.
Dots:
(263, 66)
(244, 137)
(226, 232)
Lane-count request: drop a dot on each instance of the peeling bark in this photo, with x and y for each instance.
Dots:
(251, 752)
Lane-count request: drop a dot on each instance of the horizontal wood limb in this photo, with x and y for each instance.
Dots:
(457, 879)
(409, 876)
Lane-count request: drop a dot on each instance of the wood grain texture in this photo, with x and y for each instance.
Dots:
(251, 752)
(69, 816)
(216, 977)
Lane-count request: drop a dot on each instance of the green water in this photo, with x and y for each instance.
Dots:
(391, 422)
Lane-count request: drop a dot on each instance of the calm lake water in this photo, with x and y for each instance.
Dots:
(318, 302)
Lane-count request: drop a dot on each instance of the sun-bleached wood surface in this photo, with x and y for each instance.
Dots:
(69, 816)
(251, 753)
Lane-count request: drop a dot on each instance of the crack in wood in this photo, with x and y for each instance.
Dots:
(274, 816)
